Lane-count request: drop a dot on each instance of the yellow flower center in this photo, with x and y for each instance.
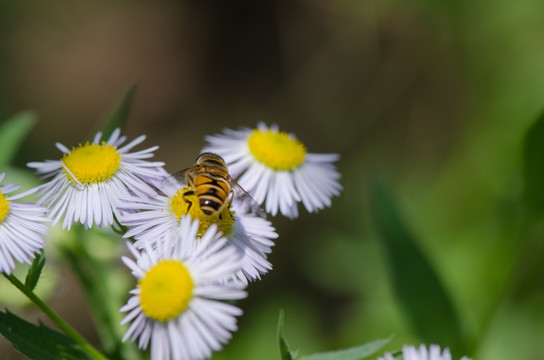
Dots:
(166, 290)
(4, 206)
(183, 204)
(276, 150)
(92, 163)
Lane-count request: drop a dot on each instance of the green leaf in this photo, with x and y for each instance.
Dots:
(35, 270)
(533, 166)
(12, 133)
(284, 348)
(119, 116)
(416, 284)
(38, 342)
(353, 353)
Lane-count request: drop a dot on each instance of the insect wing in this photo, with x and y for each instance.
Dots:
(242, 196)
(175, 180)
(180, 175)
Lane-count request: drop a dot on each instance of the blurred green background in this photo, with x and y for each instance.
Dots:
(432, 97)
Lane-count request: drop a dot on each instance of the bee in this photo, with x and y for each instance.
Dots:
(213, 186)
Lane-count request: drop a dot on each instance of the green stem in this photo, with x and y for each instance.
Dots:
(67, 329)
(118, 228)
(93, 276)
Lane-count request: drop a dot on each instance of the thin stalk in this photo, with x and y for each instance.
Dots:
(93, 276)
(67, 329)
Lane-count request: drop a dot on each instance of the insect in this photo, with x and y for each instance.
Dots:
(210, 181)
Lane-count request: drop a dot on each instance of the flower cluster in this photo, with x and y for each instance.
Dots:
(197, 239)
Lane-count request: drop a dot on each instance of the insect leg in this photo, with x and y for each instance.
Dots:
(190, 192)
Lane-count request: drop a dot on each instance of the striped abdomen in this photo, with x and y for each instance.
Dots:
(212, 191)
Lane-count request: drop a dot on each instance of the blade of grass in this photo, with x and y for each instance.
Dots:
(417, 286)
(120, 113)
(284, 348)
(12, 133)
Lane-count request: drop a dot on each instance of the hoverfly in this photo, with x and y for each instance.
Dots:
(212, 184)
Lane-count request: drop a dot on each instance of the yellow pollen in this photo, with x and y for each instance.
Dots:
(180, 206)
(276, 150)
(4, 206)
(92, 163)
(166, 290)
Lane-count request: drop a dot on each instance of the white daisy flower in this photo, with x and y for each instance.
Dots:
(21, 228)
(421, 353)
(178, 305)
(89, 179)
(150, 219)
(275, 168)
